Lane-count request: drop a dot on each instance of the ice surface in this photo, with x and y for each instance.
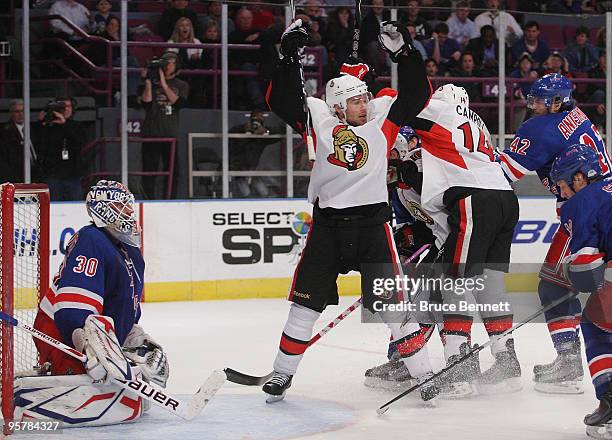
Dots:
(328, 399)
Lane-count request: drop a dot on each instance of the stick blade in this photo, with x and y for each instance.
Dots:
(382, 410)
(206, 392)
(245, 379)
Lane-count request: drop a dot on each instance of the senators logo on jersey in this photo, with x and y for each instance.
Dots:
(350, 150)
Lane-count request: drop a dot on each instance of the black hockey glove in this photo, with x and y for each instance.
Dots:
(407, 173)
(395, 39)
(293, 41)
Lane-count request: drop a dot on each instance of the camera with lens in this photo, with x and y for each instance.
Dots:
(53, 106)
(255, 124)
(153, 67)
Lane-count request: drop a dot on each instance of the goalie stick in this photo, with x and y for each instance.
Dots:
(246, 379)
(185, 410)
(384, 408)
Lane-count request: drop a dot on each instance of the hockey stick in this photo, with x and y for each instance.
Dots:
(186, 410)
(356, 31)
(245, 379)
(308, 129)
(384, 408)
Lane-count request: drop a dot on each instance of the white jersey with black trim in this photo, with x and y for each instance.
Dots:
(457, 152)
(436, 221)
(351, 162)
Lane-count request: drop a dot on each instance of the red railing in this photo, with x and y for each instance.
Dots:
(101, 142)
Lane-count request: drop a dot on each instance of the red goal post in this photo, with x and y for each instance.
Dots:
(24, 277)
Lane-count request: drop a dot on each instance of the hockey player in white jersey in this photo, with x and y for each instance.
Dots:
(462, 179)
(353, 137)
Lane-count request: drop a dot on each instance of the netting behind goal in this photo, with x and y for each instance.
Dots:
(24, 276)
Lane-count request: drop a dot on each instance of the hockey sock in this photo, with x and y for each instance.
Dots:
(562, 320)
(457, 330)
(295, 338)
(496, 322)
(410, 343)
(598, 347)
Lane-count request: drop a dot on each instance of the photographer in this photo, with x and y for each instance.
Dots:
(11, 153)
(261, 154)
(162, 97)
(59, 139)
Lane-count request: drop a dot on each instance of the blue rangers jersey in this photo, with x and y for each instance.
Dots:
(99, 275)
(587, 218)
(540, 139)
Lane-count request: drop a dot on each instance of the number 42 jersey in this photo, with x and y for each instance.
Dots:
(540, 139)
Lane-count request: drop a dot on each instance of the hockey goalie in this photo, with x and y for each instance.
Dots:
(93, 305)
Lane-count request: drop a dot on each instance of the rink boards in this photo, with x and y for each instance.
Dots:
(198, 250)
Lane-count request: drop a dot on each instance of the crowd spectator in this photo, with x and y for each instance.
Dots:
(444, 50)
(190, 58)
(431, 67)
(259, 153)
(59, 139)
(214, 14)
(435, 10)
(262, 17)
(581, 55)
(491, 18)
(411, 15)
(317, 23)
(416, 43)
(565, 6)
(248, 91)
(467, 69)
(556, 63)
(460, 27)
(369, 47)
(177, 9)
(597, 92)
(524, 70)
(102, 14)
(162, 97)
(11, 152)
(72, 11)
(98, 52)
(211, 35)
(486, 50)
(532, 44)
(340, 34)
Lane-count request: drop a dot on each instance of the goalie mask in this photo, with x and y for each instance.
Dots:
(110, 205)
(452, 94)
(338, 90)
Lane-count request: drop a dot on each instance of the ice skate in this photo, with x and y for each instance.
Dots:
(456, 383)
(599, 422)
(563, 375)
(504, 376)
(277, 387)
(429, 391)
(392, 376)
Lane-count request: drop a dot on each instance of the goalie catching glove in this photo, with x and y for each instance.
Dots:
(146, 353)
(293, 41)
(395, 39)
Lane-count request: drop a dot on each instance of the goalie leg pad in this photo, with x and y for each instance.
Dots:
(74, 401)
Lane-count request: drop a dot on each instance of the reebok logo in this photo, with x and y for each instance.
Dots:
(301, 295)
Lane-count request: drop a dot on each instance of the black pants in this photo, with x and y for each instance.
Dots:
(481, 230)
(152, 154)
(338, 245)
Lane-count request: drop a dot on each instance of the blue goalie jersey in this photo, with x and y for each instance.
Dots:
(99, 275)
(587, 218)
(540, 139)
